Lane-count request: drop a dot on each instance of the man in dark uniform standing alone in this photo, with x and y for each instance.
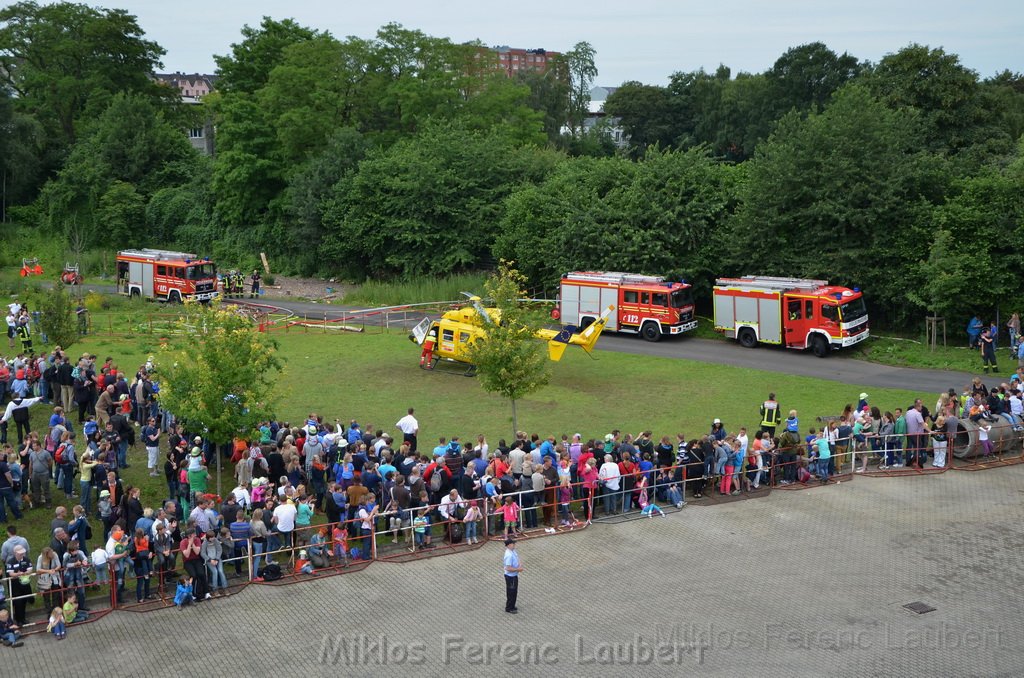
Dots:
(254, 290)
(771, 415)
(512, 568)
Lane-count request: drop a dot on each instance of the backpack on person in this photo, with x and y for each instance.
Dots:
(58, 456)
(435, 480)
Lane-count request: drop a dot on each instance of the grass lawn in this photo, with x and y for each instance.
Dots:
(375, 378)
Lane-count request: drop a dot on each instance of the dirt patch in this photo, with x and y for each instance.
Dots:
(307, 289)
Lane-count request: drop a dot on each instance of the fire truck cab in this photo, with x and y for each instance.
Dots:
(647, 305)
(165, 275)
(792, 312)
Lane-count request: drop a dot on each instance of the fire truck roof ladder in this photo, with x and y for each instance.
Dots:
(615, 277)
(158, 254)
(773, 283)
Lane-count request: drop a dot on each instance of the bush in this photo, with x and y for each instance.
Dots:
(96, 302)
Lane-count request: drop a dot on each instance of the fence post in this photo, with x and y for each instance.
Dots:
(248, 558)
(325, 322)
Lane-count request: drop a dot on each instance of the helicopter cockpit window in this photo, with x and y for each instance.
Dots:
(448, 335)
(463, 337)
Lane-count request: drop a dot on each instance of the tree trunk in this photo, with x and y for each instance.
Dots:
(219, 458)
(515, 422)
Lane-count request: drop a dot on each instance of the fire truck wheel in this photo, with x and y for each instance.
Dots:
(650, 332)
(819, 347)
(747, 338)
(174, 297)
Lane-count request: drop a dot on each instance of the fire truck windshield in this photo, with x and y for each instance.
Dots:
(853, 310)
(200, 271)
(682, 298)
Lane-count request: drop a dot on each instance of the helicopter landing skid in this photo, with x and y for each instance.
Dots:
(470, 370)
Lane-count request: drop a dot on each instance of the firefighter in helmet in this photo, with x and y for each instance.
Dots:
(236, 284)
(25, 334)
(254, 279)
(771, 415)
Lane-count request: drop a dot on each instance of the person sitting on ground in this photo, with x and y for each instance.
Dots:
(10, 633)
(56, 624)
(183, 593)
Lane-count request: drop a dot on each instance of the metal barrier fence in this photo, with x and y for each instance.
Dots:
(441, 528)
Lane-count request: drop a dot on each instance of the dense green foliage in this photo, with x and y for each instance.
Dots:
(404, 155)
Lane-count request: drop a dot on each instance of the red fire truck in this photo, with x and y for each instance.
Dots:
(165, 275)
(792, 312)
(647, 305)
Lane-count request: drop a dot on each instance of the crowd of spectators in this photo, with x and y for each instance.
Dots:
(326, 494)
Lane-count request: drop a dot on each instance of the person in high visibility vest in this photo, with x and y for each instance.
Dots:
(25, 334)
(771, 415)
(427, 356)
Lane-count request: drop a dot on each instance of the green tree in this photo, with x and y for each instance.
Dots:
(647, 113)
(58, 321)
(509, 360)
(582, 70)
(657, 215)
(428, 204)
(129, 153)
(222, 380)
(943, 92)
(843, 194)
(65, 60)
(946, 275)
(311, 189)
(21, 147)
(806, 76)
(247, 68)
(549, 95)
(121, 211)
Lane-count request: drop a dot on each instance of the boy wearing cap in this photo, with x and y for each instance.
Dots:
(511, 568)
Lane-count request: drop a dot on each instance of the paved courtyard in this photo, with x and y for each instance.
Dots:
(809, 582)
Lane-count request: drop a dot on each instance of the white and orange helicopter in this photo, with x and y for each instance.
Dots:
(448, 338)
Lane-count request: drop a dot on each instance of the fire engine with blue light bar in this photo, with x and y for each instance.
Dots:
(793, 312)
(647, 305)
(165, 275)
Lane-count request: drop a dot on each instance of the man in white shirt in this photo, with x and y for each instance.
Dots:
(511, 567)
(12, 323)
(284, 519)
(449, 505)
(609, 475)
(242, 496)
(22, 421)
(409, 428)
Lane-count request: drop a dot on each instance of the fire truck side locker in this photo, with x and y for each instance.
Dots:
(760, 312)
(140, 277)
(583, 305)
